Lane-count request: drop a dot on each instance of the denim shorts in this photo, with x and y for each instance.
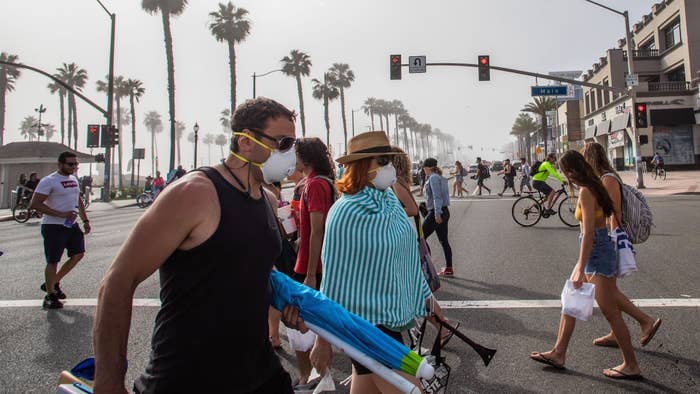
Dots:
(603, 258)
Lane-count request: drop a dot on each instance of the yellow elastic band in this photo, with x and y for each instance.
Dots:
(241, 158)
(252, 139)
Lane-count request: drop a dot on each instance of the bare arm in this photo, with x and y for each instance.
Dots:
(38, 204)
(404, 195)
(318, 229)
(588, 203)
(83, 216)
(156, 235)
(613, 188)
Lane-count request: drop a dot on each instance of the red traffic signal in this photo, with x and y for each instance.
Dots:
(93, 136)
(484, 69)
(641, 107)
(640, 115)
(395, 67)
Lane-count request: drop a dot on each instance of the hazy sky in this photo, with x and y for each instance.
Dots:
(535, 35)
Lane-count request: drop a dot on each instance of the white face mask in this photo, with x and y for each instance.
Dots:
(277, 167)
(386, 176)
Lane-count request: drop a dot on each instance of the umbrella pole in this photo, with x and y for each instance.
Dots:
(373, 365)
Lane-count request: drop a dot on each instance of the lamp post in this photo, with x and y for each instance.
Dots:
(353, 120)
(261, 75)
(632, 91)
(196, 135)
(110, 103)
(40, 110)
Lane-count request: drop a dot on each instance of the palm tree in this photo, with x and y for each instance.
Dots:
(49, 131)
(326, 92)
(180, 128)
(121, 90)
(397, 109)
(380, 109)
(28, 128)
(523, 127)
(296, 65)
(404, 121)
(230, 24)
(154, 124)
(369, 107)
(166, 9)
(221, 140)
(76, 78)
(8, 76)
(225, 120)
(540, 106)
(55, 87)
(208, 140)
(343, 77)
(136, 91)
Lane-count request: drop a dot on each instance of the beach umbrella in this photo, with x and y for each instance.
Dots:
(319, 311)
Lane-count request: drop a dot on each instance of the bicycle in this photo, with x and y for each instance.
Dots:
(658, 173)
(528, 210)
(145, 199)
(21, 212)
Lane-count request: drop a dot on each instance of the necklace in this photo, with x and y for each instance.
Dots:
(240, 183)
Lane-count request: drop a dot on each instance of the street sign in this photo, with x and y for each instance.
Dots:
(548, 91)
(139, 153)
(416, 64)
(632, 80)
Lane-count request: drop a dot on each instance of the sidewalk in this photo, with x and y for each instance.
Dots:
(6, 214)
(677, 182)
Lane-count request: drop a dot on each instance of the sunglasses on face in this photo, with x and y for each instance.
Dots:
(383, 160)
(282, 144)
(73, 164)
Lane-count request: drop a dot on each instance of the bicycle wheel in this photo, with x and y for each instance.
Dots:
(20, 213)
(567, 211)
(526, 211)
(662, 174)
(86, 200)
(654, 174)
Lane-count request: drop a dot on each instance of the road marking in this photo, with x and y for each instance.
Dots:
(487, 304)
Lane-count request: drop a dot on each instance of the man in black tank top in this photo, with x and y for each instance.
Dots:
(213, 237)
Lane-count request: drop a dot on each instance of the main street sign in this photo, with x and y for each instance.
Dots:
(416, 64)
(632, 80)
(548, 91)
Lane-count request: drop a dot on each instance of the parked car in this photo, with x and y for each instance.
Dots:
(473, 169)
(497, 166)
(415, 172)
(517, 166)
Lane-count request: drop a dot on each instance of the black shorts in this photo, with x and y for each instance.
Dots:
(57, 238)
(509, 181)
(301, 277)
(542, 187)
(361, 369)
(280, 383)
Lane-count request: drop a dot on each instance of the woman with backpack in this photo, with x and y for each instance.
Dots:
(597, 264)
(596, 156)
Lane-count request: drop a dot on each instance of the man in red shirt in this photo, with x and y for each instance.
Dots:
(314, 161)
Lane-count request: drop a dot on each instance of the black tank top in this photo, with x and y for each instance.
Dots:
(211, 332)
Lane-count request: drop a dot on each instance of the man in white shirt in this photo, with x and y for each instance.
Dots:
(57, 197)
(525, 168)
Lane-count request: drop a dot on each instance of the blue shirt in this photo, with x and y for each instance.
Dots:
(437, 193)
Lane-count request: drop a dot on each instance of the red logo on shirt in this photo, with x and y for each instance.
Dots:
(69, 184)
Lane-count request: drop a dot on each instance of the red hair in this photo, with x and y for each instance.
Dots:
(355, 177)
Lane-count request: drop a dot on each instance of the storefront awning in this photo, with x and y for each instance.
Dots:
(603, 128)
(590, 132)
(672, 117)
(620, 122)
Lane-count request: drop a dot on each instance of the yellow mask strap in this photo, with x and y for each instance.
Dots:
(250, 137)
(243, 159)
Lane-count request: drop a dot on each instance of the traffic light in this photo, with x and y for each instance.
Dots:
(105, 138)
(114, 132)
(93, 136)
(640, 115)
(395, 66)
(100, 158)
(484, 68)
(643, 139)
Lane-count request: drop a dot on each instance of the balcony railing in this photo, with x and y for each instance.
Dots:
(642, 53)
(668, 86)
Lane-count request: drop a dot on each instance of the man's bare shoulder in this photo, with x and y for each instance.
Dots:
(194, 187)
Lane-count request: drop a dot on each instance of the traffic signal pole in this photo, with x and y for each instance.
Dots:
(110, 110)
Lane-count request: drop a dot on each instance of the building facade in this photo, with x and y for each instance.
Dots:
(666, 51)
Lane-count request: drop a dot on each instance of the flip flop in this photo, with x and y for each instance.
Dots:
(622, 376)
(446, 338)
(605, 342)
(647, 338)
(544, 360)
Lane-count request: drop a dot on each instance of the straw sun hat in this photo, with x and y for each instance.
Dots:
(369, 144)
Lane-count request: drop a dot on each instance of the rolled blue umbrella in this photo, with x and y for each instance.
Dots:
(353, 330)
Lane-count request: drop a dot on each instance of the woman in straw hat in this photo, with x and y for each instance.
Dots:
(370, 254)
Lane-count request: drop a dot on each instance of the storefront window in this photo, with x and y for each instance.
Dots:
(675, 144)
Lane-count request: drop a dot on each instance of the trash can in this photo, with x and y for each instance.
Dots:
(13, 199)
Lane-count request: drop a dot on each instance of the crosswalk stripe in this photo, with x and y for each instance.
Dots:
(486, 304)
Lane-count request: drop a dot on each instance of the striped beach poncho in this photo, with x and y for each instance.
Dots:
(370, 259)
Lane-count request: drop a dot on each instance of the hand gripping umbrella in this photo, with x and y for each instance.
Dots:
(356, 336)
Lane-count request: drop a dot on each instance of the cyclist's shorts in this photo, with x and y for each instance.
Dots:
(542, 187)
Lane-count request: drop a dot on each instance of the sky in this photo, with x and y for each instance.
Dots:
(533, 35)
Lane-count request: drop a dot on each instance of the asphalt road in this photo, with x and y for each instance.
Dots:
(495, 260)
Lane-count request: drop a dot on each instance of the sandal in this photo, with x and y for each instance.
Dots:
(645, 339)
(621, 375)
(540, 358)
(606, 342)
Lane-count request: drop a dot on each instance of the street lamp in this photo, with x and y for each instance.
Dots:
(261, 75)
(196, 133)
(110, 103)
(353, 120)
(632, 91)
(40, 110)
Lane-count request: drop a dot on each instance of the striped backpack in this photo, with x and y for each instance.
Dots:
(636, 213)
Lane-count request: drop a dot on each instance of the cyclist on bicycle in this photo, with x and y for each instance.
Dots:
(28, 187)
(657, 162)
(539, 180)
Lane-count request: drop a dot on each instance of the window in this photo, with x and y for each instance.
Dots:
(606, 94)
(588, 103)
(648, 46)
(672, 34)
(599, 98)
(677, 75)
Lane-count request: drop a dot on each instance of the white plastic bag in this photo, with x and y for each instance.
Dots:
(625, 253)
(578, 303)
(326, 383)
(301, 342)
